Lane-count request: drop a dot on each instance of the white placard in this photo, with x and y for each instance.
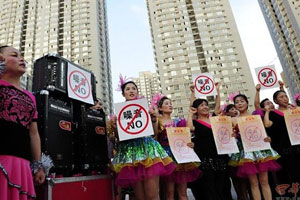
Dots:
(267, 76)
(204, 85)
(79, 84)
(133, 119)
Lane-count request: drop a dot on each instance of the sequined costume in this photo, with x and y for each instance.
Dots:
(17, 112)
(139, 159)
(186, 172)
(249, 163)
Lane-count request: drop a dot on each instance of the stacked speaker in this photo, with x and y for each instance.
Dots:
(72, 133)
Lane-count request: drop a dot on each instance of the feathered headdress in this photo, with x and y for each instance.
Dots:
(122, 81)
(296, 96)
(155, 99)
(232, 95)
(223, 108)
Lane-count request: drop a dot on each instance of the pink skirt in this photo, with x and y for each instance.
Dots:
(254, 168)
(16, 181)
(180, 177)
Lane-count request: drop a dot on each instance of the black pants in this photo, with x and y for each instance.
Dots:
(213, 185)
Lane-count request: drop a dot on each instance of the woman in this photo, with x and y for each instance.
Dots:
(183, 173)
(215, 182)
(251, 164)
(139, 162)
(276, 127)
(19, 138)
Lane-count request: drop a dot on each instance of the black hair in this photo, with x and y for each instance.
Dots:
(160, 103)
(228, 107)
(2, 48)
(124, 85)
(276, 94)
(297, 102)
(262, 103)
(197, 102)
(242, 96)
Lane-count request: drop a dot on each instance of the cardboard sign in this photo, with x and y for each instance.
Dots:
(204, 85)
(253, 133)
(292, 121)
(133, 119)
(178, 138)
(222, 130)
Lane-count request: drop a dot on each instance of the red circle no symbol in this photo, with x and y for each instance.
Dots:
(140, 109)
(76, 87)
(266, 81)
(207, 82)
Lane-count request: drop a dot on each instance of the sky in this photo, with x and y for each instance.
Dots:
(131, 48)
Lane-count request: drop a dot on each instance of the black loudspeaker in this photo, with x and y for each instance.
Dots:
(51, 72)
(55, 123)
(92, 140)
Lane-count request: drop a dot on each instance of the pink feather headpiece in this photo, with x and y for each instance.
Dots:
(122, 81)
(232, 95)
(223, 107)
(296, 96)
(155, 99)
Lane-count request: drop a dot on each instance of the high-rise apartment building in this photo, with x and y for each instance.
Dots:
(196, 36)
(76, 30)
(147, 83)
(283, 21)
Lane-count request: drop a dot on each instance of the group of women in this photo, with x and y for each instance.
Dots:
(149, 166)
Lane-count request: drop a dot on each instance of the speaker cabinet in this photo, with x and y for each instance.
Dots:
(92, 149)
(56, 129)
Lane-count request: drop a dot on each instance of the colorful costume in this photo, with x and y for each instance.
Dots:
(17, 111)
(249, 163)
(186, 172)
(139, 159)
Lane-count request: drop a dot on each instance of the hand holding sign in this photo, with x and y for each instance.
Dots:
(204, 85)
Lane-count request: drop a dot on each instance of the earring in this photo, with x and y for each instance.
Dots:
(2, 67)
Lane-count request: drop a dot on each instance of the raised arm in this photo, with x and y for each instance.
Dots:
(267, 122)
(281, 85)
(192, 98)
(218, 99)
(257, 97)
(189, 122)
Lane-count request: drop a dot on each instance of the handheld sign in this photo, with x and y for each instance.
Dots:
(222, 130)
(253, 133)
(204, 85)
(133, 119)
(267, 76)
(292, 121)
(79, 84)
(178, 138)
